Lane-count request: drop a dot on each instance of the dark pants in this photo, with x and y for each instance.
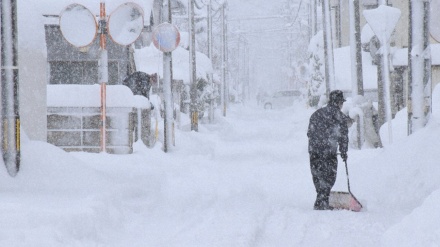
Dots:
(324, 168)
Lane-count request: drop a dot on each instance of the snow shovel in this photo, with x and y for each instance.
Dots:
(344, 200)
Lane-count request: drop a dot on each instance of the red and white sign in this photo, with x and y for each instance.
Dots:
(166, 37)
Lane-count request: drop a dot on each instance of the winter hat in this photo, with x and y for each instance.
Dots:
(336, 97)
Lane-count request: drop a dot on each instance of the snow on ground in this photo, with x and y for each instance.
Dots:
(242, 181)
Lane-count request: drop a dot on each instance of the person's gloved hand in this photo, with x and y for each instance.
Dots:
(344, 156)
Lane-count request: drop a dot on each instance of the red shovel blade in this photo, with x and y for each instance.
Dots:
(344, 200)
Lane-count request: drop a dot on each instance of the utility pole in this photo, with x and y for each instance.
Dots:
(246, 64)
(314, 8)
(239, 61)
(224, 60)
(210, 55)
(167, 81)
(356, 60)
(427, 75)
(328, 48)
(193, 76)
(10, 133)
(356, 49)
(419, 64)
(243, 68)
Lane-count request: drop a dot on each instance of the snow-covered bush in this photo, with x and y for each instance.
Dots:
(316, 86)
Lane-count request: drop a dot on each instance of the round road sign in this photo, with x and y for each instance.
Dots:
(166, 37)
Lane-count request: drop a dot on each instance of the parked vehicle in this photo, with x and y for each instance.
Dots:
(282, 99)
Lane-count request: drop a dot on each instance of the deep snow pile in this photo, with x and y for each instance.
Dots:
(243, 181)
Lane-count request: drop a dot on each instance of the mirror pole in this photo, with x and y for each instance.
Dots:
(103, 71)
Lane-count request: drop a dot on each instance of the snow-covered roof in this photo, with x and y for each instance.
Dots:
(70, 95)
(150, 60)
(184, 40)
(400, 56)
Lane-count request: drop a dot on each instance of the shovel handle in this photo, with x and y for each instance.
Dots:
(348, 179)
(346, 172)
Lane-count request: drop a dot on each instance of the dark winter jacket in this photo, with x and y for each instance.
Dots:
(139, 83)
(328, 129)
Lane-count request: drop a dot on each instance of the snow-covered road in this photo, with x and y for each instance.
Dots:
(242, 181)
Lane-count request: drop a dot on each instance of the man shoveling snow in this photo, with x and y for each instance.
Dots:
(327, 130)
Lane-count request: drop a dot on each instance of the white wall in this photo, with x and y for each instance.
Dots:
(32, 76)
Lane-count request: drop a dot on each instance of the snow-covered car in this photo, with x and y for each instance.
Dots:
(282, 99)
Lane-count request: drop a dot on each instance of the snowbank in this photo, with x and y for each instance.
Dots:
(243, 180)
(412, 183)
(399, 127)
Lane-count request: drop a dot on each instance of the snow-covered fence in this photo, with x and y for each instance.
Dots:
(73, 118)
(78, 129)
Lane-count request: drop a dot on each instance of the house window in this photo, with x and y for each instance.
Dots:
(83, 72)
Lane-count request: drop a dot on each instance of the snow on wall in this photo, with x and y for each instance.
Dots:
(436, 104)
(343, 71)
(435, 54)
(400, 57)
